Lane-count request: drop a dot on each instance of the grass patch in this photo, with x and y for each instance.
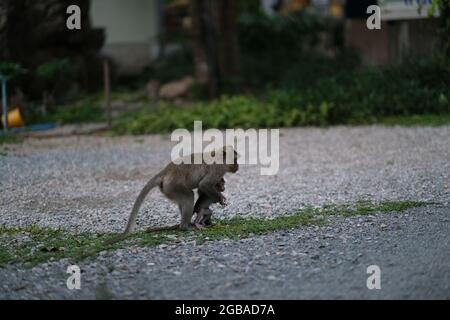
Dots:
(85, 110)
(38, 245)
(418, 120)
(10, 139)
(33, 245)
(364, 207)
(237, 227)
(249, 112)
(5, 256)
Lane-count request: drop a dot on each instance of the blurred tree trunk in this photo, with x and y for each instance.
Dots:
(198, 41)
(215, 42)
(229, 46)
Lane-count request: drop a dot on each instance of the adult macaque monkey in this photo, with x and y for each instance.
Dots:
(176, 182)
(201, 208)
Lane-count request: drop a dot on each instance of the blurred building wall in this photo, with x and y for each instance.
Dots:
(396, 39)
(403, 32)
(131, 29)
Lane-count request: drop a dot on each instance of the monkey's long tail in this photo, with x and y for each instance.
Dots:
(169, 228)
(154, 182)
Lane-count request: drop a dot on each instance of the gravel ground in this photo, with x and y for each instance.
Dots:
(90, 183)
(412, 250)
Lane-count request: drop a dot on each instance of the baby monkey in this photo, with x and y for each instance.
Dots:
(201, 208)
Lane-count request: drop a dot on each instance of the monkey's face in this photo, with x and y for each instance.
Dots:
(234, 167)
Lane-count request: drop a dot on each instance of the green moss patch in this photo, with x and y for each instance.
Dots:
(34, 245)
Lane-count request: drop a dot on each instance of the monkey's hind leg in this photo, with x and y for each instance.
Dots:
(203, 218)
(184, 198)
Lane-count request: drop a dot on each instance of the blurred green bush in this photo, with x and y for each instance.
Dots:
(280, 51)
(360, 95)
(88, 109)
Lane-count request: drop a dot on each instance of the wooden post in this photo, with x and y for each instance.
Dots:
(107, 86)
(4, 103)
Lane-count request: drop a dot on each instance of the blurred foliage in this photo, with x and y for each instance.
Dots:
(417, 120)
(236, 111)
(55, 69)
(57, 77)
(56, 81)
(10, 139)
(278, 51)
(249, 6)
(286, 34)
(444, 26)
(362, 95)
(173, 66)
(11, 69)
(88, 109)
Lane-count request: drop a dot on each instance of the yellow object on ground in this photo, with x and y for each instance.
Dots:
(15, 119)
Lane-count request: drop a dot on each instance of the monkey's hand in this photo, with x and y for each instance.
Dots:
(223, 201)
